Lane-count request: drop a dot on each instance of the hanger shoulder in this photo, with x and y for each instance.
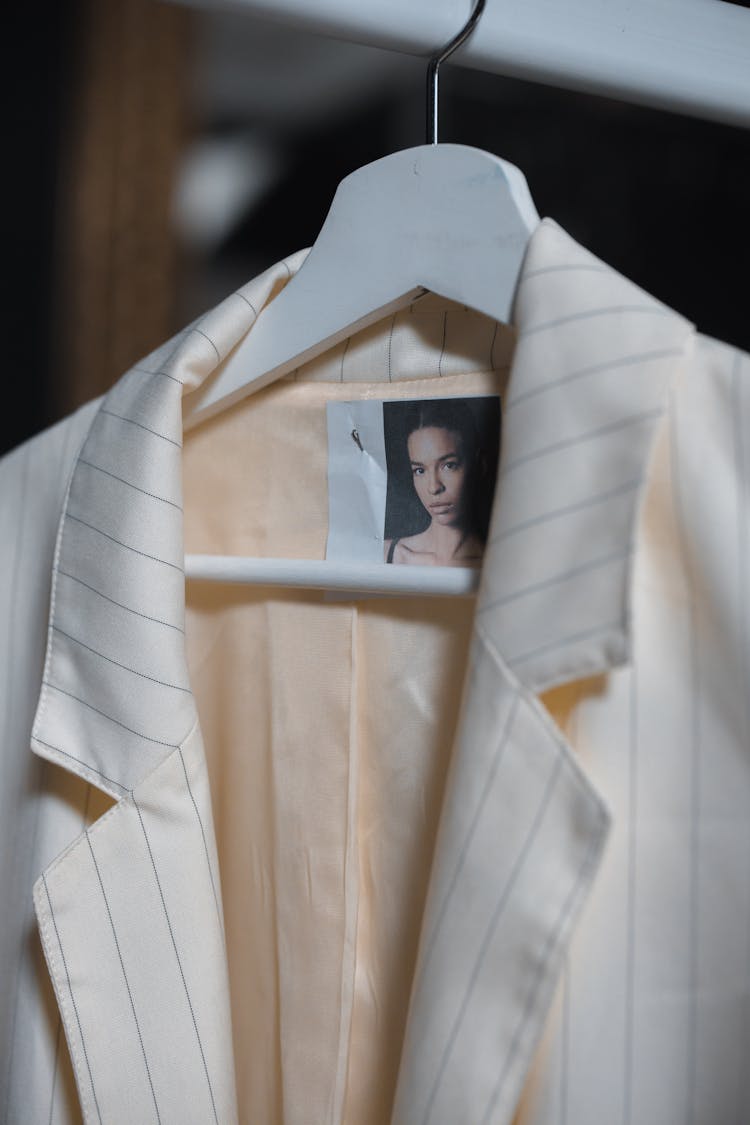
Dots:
(451, 219)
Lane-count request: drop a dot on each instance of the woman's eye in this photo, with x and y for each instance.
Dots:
(452, 465)
(416, 470)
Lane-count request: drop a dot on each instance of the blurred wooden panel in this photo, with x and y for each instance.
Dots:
(117, 253)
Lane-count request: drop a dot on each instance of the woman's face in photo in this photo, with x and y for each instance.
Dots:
(438, 471)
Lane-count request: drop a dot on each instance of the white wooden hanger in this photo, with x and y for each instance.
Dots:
(443, 218)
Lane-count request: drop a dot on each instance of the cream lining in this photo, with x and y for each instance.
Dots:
(328, 731)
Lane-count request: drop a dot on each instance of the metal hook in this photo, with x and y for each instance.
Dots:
(432, 70)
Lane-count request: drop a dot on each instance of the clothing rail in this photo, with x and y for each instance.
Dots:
(690, 56)
(373, 578)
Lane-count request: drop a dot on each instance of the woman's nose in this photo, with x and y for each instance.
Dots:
(436, 486)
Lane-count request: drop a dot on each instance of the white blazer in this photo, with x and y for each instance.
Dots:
(583, 941)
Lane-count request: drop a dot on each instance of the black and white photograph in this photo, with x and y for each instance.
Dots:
(442, 462)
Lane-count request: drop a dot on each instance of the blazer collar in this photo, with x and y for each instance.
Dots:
(593, 359)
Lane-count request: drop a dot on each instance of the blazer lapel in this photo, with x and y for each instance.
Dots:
(130, 914)
(130, 919)
(519, 843)
(522, 830)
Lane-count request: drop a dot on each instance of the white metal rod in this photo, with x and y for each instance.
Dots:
(371, 578)
(692, 56)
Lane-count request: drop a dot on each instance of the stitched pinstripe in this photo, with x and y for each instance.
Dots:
(594, 369)
(574, 267)
(139, 734)
(162, 374)
(565, 1043)
(72, 997)
(588, 314)
(555, 580)
(140, 425)
(492, 349)
(572, 734)
(347, 341)
(491, 929)
(497, 758)
(124, 975)
(549, 729)
(119, 542)
(56, 1060)
(568, 639)
(242, 297)
(39, 773)
(177, 958)
(569, 509)
(124, 667)
(205, 337)
(588, 863)
(65, 753)
(627, 1110)
(120, 605)
(568, 443)
(694, 768)
(442, 346)
(205, 842)
(129, 484)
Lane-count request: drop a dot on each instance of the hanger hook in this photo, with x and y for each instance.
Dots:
(434, 65)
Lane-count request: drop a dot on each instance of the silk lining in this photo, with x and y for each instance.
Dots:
(328, 729)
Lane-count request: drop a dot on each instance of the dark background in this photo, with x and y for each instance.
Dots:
(111, 107)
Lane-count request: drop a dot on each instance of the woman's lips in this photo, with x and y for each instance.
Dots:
(440, 508)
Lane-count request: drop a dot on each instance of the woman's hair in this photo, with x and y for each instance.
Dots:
(441, 415)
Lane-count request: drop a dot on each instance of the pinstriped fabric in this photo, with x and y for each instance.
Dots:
(661, 958)
(116, 690)
(119, 563)
(632, 884)
(130, 913)
(61, 1055)
(120, 548)
(69, 998)
(519, 814)
(707, 421)
(694, 766)
(26, 796)
(566, 402)
(164, 894)
(115, 705)
(123, 547)
(422, 340)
